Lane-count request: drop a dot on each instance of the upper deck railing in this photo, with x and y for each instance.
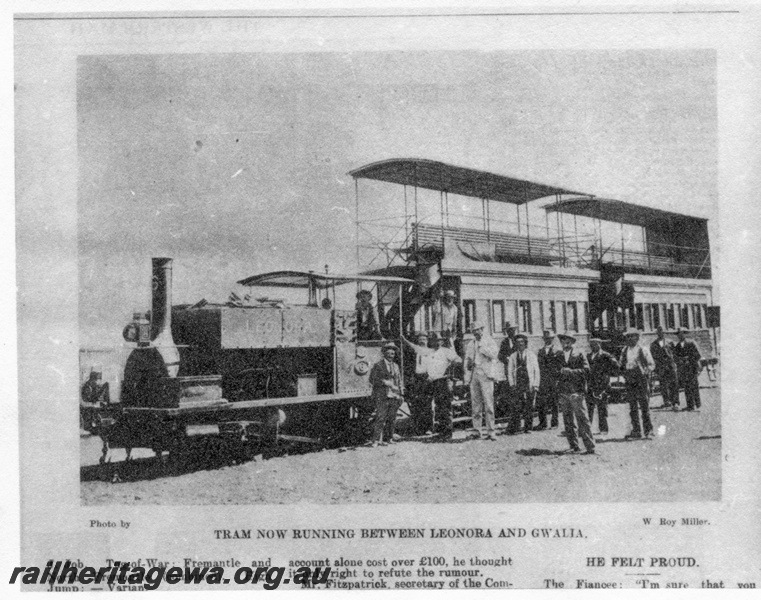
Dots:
(582, 251)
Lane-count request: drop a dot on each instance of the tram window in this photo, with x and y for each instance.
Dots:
(573, 316)
(632, 318)
(524, 316)
(655, 316)
(560, 313)
(584, 316)
(469, 312)
(553, 316)
(670, 317)
(697, 319)
(684, 316)
(640, 317)
(497, 315)
(620, 319)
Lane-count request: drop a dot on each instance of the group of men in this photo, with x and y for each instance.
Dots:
(547, 382)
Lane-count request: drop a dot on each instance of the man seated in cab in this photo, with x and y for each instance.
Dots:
(368, 326)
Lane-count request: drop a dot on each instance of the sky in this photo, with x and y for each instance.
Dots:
(235, 164)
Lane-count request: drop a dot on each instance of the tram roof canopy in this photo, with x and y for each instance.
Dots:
(441, 177)
(301, 279)
(618, 211)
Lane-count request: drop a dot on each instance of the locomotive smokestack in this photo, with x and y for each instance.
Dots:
(161, 309)
(161, 315)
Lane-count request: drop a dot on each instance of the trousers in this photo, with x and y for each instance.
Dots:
(599, 400)
(639, 401)
(575, 413)
(482, 400)
(385, 418)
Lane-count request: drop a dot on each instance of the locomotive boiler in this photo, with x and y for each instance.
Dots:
(247, 374)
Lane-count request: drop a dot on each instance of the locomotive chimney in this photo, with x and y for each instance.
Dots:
(161, 314)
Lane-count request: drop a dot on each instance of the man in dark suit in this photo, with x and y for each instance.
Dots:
(662, 352)
(688, 368)
(547, 398)
(572, 387)
(388, 393)
(602, 366)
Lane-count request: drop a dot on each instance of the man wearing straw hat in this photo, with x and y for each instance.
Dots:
(547, 399)
(637, 363)
(523, 376)
(572, 386)
(481, 361)
(388, 394)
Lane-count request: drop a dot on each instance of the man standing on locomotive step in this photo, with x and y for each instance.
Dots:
(523, 377)
(662, 352)
(481, 360)
(446, 318)
(549, 367)
(602, 366)
(637, 364)
(572, 386)
(688, 367)
(419, 398)
(388, 394)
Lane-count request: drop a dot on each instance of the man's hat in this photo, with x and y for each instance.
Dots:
(631, 331)
(364, 294)
(547, 334)
(450, 294)
(509, 325)
(422, 334)
(566, 336)
(390, 346)
(682, 330)
(476, 325)
(522, 336)
(596, 339)
(434, 337)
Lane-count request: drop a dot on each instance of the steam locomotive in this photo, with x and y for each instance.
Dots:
(246, 375)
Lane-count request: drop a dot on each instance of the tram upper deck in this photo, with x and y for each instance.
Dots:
(579, 230)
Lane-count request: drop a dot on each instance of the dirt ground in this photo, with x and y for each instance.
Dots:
(681, 463)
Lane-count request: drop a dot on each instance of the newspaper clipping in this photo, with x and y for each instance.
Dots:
(382, 299)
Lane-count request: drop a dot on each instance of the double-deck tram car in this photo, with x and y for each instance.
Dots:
(252, 373)
(556, 260)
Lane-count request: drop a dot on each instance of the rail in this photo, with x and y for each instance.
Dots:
(583, 251)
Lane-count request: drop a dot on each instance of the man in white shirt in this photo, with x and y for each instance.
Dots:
(523, 377)
(481, 360)
(439, 376)
(637, 363)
